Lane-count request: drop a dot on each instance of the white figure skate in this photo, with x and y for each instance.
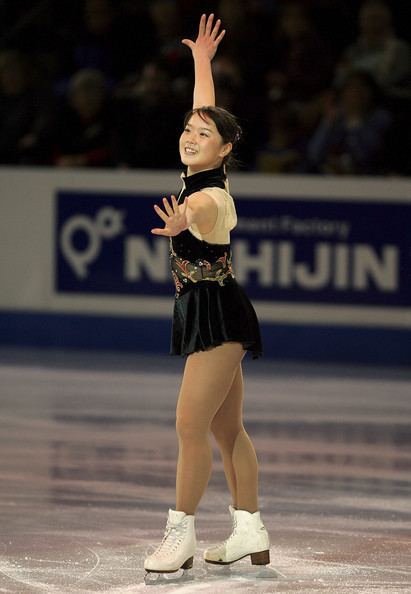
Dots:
(249, 537)
(176, 550)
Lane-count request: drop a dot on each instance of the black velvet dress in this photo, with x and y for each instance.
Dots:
(210, 307)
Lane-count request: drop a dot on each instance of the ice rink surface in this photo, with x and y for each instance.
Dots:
(88, 453)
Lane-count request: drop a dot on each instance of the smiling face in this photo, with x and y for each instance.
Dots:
(201, 145)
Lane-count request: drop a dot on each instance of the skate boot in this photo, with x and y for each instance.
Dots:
(249, 537)
(176, 550)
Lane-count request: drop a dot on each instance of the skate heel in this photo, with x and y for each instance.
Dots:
(260, 558)
(188, 564)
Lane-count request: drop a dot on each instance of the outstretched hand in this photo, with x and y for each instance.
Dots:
(174, 217)
(208, 38)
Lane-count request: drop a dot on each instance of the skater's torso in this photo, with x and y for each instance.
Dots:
(195, 257)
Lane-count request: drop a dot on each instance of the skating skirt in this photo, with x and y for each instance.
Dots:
(207, 315)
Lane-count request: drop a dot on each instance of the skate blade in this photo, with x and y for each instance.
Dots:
(245, 571)
(153, 578)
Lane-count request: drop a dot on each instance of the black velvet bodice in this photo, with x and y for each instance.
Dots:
(193, 259)
(210, 307)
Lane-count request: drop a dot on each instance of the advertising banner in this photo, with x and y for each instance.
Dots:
(295, 251)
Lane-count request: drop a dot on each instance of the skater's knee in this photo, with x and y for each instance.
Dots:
(226, 435)
(189, 428)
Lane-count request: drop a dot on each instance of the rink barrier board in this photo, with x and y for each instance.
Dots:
(326, 344)
(326, 262)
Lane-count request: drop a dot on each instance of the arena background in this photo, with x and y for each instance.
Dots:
(92, 97)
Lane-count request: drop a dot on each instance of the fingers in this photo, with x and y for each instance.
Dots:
(160, 213)
(209, 24)
(206, 26)
(214, 32)
(164, 231)
(170, 211)
(202, 25)
(219, 38)
(188, 43)
(175, 205)
(171, 217)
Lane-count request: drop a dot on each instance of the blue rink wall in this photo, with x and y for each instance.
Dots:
(282, 342)
(326, 262)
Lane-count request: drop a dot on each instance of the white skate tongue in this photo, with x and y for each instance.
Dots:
(175, 517)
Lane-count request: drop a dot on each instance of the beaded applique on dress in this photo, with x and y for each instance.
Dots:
(185, 272)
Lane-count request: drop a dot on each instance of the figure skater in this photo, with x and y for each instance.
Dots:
(214, 324)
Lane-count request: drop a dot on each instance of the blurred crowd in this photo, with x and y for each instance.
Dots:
(319, 86)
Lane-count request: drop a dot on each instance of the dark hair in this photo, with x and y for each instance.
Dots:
(226, 124)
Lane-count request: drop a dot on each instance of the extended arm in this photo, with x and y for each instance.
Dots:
(203, 50)
(199, 209)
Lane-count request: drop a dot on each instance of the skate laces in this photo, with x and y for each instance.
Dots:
(234, 532)
(172, 538)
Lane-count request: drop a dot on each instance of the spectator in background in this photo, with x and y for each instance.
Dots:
(229, 91)
(300, 65)
(82, 132)
(228, 81)
(96, 46)
(167, 23)
(147, 118)
(23, 112)
(251, 28)
(377, 49)
(109, 42)
(350, 137)
(287, 57)
(284, 150)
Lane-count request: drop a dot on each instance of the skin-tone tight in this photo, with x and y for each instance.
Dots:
(211, 400)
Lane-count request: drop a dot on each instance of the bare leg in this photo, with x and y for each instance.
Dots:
(207, 379)
(237, 451)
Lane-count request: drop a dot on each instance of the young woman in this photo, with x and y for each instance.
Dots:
(214, 324)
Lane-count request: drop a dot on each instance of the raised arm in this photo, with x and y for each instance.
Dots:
(203, 50)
